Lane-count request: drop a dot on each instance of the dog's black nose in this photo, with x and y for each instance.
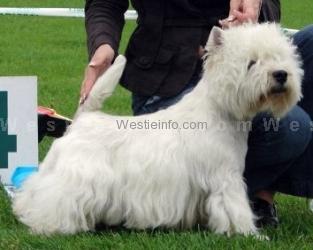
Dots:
(280, 76)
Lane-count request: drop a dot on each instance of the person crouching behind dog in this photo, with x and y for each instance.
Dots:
(163, 64)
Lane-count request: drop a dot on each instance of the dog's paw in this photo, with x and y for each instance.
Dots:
(261, 237)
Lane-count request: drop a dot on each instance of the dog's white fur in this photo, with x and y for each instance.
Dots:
(166, 178)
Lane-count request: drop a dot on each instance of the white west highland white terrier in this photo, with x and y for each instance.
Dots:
(148, 178)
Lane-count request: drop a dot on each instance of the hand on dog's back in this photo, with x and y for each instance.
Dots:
(99, 63)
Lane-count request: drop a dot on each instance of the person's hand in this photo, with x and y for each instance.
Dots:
(242, 11)
(100, 62)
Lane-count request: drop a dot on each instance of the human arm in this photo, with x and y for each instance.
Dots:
(104, 21)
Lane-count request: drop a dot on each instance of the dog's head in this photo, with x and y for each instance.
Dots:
(254, 68)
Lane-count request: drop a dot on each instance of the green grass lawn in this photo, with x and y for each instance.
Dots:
(54, 50)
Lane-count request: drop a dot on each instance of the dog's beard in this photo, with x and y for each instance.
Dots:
(281, 102)
(277, 101)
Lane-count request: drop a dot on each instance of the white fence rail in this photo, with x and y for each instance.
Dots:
(73, 12)
(60, 12)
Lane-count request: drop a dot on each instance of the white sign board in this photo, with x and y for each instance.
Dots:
(18, 125)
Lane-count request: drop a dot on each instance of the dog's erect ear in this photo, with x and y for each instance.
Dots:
(216, 37)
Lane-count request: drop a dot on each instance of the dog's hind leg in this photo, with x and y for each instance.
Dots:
(47, 207)
(228, 207)
(57, 203)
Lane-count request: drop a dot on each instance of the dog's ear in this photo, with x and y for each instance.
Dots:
(216, 37)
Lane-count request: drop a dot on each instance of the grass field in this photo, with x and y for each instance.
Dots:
(54, 50)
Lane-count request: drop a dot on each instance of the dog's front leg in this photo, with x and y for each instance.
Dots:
(227, 206)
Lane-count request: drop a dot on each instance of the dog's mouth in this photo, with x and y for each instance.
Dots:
(277, 90)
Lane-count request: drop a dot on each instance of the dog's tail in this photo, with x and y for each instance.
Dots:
(104, 86)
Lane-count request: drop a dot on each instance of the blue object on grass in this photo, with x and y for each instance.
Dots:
(21, 174)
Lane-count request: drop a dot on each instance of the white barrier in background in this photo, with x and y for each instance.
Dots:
(58, 12)
(73, 12)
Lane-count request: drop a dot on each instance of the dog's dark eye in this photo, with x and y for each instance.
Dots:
(251, 63)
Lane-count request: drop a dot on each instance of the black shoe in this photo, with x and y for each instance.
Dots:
(266, 213)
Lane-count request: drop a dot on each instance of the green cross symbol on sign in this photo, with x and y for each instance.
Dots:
(7, 142)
